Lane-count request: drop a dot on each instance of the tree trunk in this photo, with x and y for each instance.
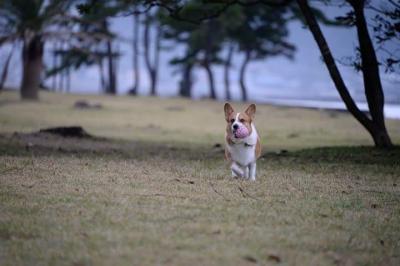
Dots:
(146, 43)
(151, 68)
(372, 80)
(54, 65)
(242, 73)
(227, 67)
(4, 74)
(208, 57)
(111, 86)
(67, 72)
(102, 78)
(185, 86)
(135, 48)
(61, 72)
(156, 64)
(32, 56)
(375, 131)
(153, 78)
(115, 67)
(211, 82)
(68, 86)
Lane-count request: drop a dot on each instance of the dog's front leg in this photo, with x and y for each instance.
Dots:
(252, 170)
(237, 171)
(246, 172)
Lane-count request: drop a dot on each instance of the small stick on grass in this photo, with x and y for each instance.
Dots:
(219, 193)
(245, 194)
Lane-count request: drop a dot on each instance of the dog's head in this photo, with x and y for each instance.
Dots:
(239, 124)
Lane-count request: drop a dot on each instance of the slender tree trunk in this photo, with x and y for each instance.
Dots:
(152, 69)
(208, 57)
(146, 43)
(227, 66)
(61, 81)
(68, 87)
(102, 78)
(115, 67)
(242, 73)
(54, 76)
(135, 48)
(111, 86)
(211, 82)
(372, 80)
(67, 71)
(369, 124)
(62, 71)
(32, 56)
(153, 78)
(156, 64)
(4, 74)
(185, 86)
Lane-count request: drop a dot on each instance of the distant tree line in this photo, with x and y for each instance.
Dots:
(85, 39)
(211, 32)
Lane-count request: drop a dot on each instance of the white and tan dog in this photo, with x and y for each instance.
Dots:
(242, 144)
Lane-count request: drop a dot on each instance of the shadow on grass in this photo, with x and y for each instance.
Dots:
(44, 144)
(342, 154)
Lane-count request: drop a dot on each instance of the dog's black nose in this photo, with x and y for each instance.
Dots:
(235, 126)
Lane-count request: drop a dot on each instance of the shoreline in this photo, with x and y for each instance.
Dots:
(392, 111)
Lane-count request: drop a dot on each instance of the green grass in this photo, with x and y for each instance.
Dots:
(153, 189)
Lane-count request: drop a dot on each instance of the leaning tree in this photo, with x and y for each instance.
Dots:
(373, 122)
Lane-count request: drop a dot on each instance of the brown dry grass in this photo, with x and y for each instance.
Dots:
(156, 190)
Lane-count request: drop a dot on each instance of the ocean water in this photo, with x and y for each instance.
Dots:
(391, 110)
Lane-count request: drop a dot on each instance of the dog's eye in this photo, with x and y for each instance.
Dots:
(242, 120)
(232, 120)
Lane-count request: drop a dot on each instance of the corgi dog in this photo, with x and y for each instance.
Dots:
(242, 143)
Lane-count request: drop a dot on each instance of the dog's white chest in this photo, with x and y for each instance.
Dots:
(243, 154)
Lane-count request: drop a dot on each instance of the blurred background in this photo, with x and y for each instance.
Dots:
(146, 51)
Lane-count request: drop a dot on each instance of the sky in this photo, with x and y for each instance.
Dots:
(305, 77)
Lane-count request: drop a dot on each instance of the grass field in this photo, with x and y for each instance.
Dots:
(152, 187)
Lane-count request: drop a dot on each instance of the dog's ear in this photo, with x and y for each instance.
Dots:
(228, 111)
(251, 110)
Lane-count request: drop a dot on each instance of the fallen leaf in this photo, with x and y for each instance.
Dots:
(274, 258)
(250, 258)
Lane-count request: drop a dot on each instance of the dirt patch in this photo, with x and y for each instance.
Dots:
(82, 104)
(72, 131)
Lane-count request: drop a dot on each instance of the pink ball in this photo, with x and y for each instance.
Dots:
(241, 132)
